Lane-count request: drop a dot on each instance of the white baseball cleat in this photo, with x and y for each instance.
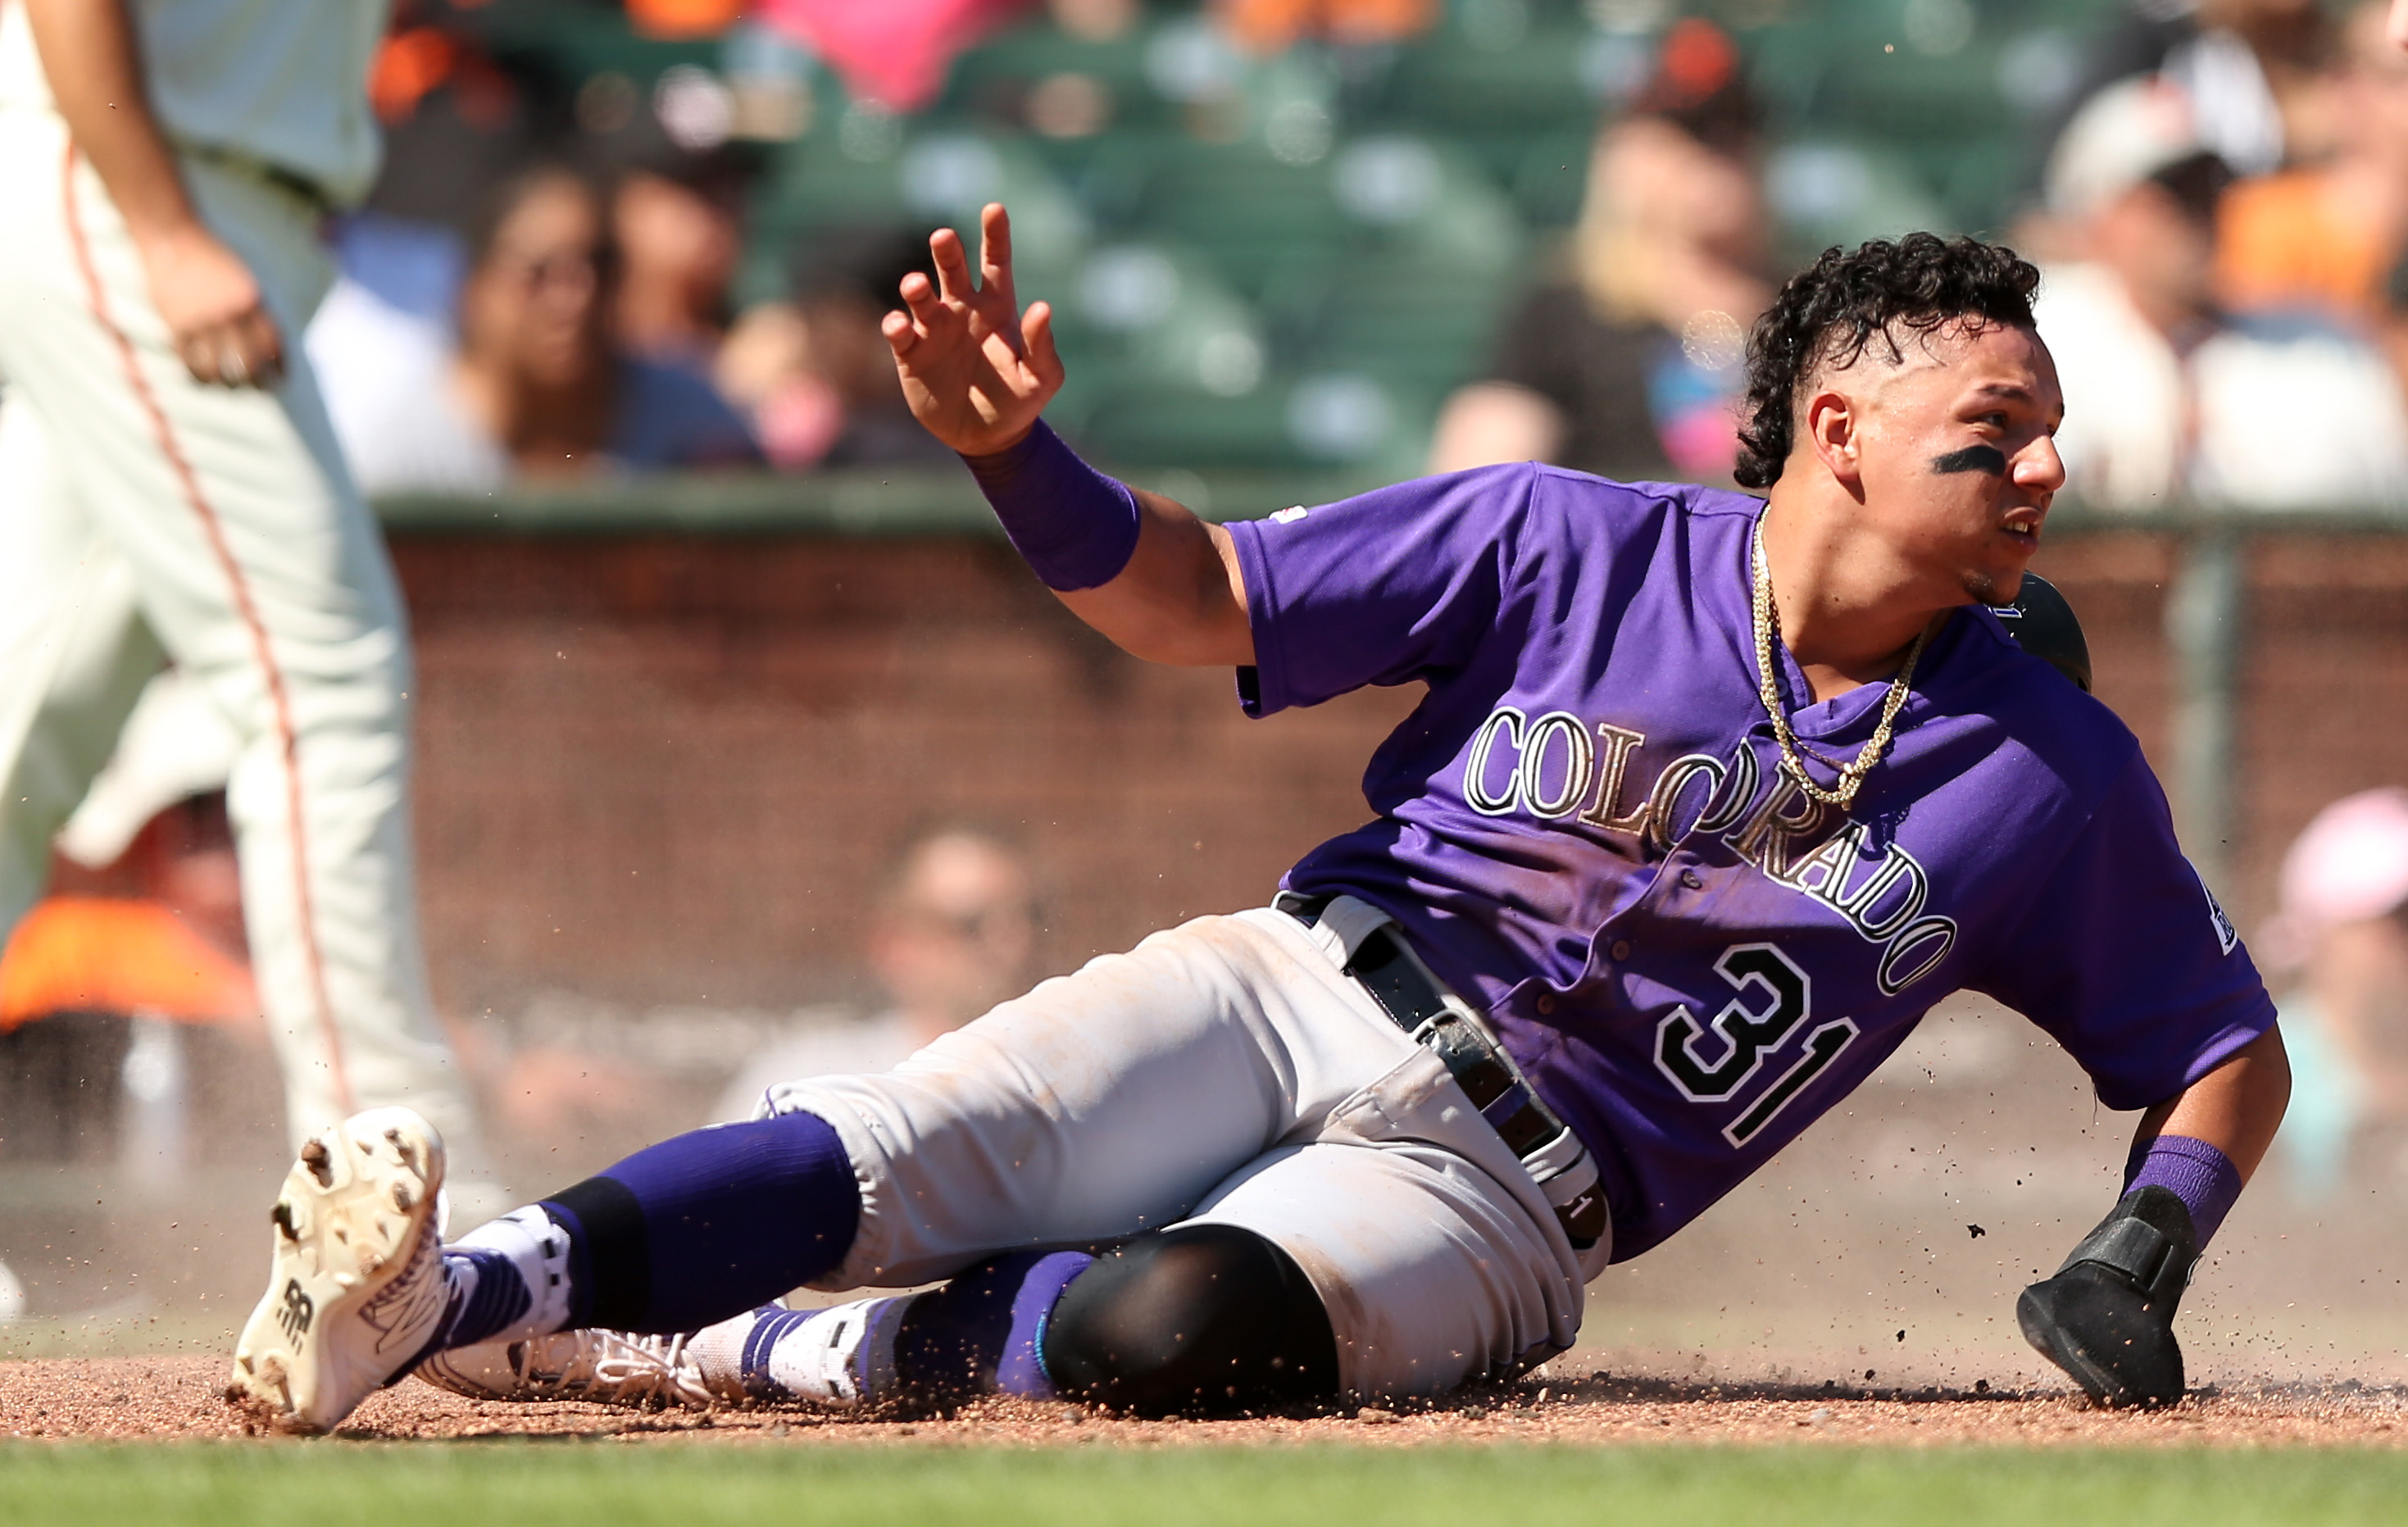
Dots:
(356, 1288)
(607, 1367)
(841, 1357)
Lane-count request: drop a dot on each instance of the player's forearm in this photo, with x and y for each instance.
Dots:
(1181, 600)
(93, 58)
(2236, 1108)
(2107, 1316)
(1137, 567)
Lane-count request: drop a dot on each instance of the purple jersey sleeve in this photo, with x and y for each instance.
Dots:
(2127, 960)
(1394, 586)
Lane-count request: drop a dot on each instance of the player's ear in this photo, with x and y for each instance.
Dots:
(1834, 431)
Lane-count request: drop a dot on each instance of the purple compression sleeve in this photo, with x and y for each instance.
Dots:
(1076, 527)
(2202, 1176)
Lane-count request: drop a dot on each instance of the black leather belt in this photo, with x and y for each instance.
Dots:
(1384, 966)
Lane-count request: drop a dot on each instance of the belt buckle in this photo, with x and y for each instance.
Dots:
(1560, 1166)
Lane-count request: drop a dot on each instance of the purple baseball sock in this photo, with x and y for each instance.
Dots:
(1076, 527)
(707, 1225)
(2202, 1176)
(984, 1332)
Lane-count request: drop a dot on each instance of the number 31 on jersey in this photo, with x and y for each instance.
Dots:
(1720, 1060)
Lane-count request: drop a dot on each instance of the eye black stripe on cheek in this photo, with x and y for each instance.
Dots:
(1972, 458)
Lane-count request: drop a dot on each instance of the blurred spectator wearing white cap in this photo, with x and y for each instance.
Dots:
(2343, 931)
(2251, 65)
(2165, 396)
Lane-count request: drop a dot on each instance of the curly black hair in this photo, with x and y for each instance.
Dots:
(1827, 313)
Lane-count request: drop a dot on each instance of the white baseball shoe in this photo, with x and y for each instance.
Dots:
(838, 1359)
(606, 1367)
(841, 1358)
(356, 1288)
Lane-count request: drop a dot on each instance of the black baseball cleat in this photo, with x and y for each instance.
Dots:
(2107, 1316)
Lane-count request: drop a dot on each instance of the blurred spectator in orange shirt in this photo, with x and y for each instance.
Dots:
(680, 20)
(2166, 397)
(1272, 26)
(140, 938)
(2328, 236)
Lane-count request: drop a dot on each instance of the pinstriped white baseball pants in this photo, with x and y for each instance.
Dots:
(145, 518)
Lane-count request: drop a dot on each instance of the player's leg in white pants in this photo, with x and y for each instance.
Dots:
(257, 567)
(74, 655)
(1224, 1072)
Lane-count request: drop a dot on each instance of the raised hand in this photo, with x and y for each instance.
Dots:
(975, 370)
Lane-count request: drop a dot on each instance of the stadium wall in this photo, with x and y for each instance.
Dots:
(670, 768)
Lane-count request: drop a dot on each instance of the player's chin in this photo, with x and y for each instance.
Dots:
(1996, 580)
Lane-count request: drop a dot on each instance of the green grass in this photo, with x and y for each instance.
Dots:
(582, 1484)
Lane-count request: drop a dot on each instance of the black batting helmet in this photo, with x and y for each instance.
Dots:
(2044, 626)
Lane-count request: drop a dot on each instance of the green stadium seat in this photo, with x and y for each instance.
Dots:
(994, 81)
(1241, 207)
(1416, 325)
(1160, 318)
(925, 174)
(1841, 191)
(1467, 77)
(1329, 420)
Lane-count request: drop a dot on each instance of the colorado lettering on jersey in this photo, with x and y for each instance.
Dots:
(1555, 768)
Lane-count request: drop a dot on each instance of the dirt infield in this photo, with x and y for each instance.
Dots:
(178, 1397)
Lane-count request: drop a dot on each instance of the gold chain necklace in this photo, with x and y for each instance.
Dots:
(1767, 625)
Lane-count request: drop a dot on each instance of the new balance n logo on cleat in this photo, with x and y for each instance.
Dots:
(294, 1316)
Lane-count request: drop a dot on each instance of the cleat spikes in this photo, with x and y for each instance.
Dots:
(356, 1288)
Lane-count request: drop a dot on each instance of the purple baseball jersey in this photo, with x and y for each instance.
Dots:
(1585, 829)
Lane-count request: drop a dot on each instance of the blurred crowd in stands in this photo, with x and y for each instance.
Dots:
(1371, 235)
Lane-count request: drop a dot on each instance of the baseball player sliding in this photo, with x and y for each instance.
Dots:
(1709, 800)
(170, 490)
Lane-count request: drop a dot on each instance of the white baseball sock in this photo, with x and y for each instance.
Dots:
(508, 1280)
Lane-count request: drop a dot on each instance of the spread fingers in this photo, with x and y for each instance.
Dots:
(994, 248)
(953, 265)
